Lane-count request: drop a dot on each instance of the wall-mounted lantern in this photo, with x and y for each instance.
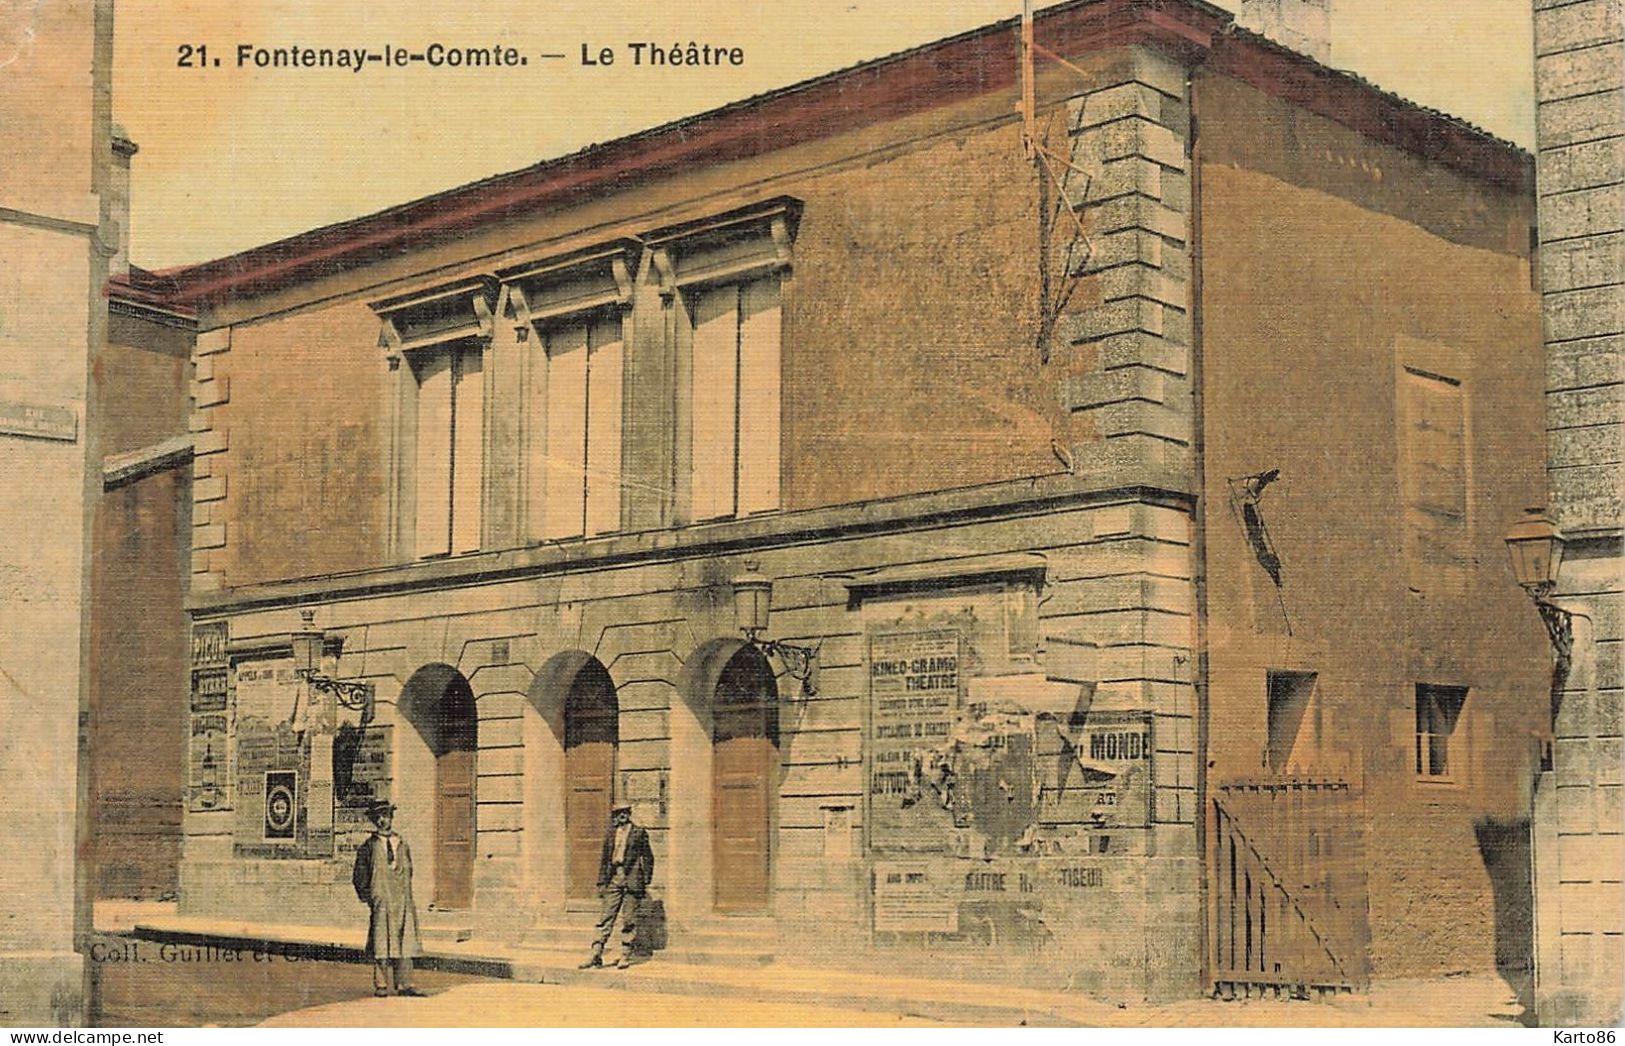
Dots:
(1536, 547)
(753, 602)
(307, 645)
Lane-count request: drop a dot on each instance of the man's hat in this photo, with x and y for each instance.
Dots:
(380, 808)
(616, 808)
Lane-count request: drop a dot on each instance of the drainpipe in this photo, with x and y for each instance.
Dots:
(1199, 526)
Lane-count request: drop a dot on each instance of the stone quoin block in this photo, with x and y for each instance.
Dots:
(1115, 103)
(1585, 313)
(211, 442)
(1587, 262)
(212, 535)
(1138, 350)
(1572, 73)
(211, 393)
(1580, 166)
(1115, 386)
(1582, 119)
(1582, 212)
(1573, 26)
(212, 342)
(1584, 407)
(1143, 282)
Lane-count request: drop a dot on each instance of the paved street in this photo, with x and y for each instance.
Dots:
(505, 1004)
(1447, 1002)
(170, 989)
(185, 986)
(244, 974)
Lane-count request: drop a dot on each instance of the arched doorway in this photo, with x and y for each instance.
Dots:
(591, 734)
(744, 775)
(438, 702)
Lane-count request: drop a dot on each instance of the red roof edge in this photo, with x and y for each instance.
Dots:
(1361, 106)
(912, 81)
(140, 287)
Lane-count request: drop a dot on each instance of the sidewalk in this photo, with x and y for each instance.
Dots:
(799, 996)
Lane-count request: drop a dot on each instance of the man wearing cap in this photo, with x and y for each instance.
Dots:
(383, 882)
(624, 871)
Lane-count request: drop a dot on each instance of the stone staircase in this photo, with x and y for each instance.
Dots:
(438, 926)
(563, 940)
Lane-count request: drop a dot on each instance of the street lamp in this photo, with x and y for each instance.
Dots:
(753, 602)
(1536, 547)
(307, 644)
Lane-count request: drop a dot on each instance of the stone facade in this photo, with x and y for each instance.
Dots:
(1579, 61)
(988, 513)
(57, 236)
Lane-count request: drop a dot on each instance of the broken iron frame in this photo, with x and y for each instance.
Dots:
(1052, 169)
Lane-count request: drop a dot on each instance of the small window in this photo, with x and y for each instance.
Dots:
(1438, 711)
(1291, 726)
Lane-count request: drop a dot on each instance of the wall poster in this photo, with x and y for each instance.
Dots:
(914, 696)
(208, 763)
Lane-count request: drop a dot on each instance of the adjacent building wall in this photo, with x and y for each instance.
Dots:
(140, 579)
(1329, 264)
(56, 137)
(1579, 62)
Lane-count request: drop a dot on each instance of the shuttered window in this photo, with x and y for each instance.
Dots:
(734, 405)
(1434, 477)
(449, 459)
(576, 474)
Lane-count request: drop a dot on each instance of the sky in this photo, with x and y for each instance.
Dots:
(234, 156)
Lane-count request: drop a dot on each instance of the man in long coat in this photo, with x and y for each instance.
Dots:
(624, 870)
(383, 881)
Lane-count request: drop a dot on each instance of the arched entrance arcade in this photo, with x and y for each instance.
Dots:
(435, 781)
(725, 770)
(571, 741)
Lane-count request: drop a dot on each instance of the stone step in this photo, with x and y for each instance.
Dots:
(445, 925)
(535, 962)
(716, 955)
(748, 934)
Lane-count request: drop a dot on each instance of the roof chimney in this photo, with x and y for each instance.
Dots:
(1303, 25)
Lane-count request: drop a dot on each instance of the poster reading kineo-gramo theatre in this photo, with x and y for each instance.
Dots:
(914, 697)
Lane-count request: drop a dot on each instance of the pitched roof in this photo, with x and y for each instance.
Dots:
(911, 81)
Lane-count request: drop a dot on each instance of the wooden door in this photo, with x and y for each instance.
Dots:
(590, 736)
(454, 829)
(744, 761)
(454, 807)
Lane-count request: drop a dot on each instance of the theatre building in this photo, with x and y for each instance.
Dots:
(1061, 539)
